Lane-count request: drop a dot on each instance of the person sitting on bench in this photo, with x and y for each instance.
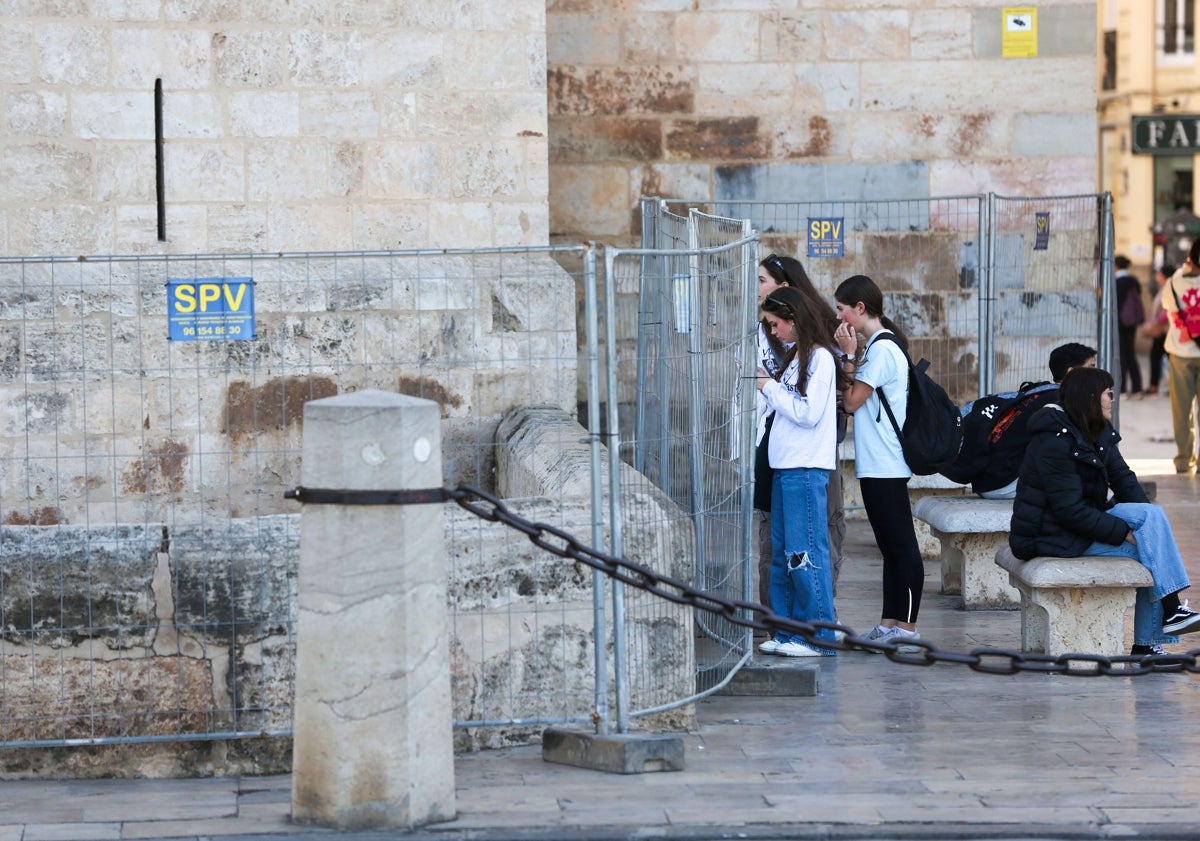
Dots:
(1062, 508)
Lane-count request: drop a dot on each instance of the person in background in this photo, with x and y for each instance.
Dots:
(802, 451)
(1130, 315)
(1154, 327)
(1063, 509)
(879, 462)
(1181, 300)
(774, 272)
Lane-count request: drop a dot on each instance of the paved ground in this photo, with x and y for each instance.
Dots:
(885, 751)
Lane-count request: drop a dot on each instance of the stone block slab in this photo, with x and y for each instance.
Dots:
(776, 677)
(621, 753)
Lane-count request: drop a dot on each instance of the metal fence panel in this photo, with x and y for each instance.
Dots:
(693, 439)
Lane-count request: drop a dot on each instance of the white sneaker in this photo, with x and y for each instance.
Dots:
(770, 646)
(797, 649)
(899, 635)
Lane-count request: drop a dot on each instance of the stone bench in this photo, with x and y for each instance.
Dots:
(1074, 605)
(971, 530)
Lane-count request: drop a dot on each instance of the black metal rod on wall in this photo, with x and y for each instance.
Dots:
(159, 171)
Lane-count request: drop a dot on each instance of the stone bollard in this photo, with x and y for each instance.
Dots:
(373, 742)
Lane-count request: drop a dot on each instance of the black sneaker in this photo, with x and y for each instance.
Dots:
(1154, 651)
(1182, 621)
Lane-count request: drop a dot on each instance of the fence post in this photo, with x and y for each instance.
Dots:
(373, 741)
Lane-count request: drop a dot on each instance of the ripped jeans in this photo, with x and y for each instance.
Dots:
(801, 578)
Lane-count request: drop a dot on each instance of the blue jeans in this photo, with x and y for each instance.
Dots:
(801, 579)
(1156, 551)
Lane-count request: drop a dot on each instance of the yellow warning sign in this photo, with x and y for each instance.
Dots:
(1019, 33)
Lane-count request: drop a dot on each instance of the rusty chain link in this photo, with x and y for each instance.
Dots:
(993, 661)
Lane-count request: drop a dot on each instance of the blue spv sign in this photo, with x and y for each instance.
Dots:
(826, 237)
(210, 308)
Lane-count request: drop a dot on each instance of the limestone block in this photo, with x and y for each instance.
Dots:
(941, 33)
(1047, 314)
(307, 226)
(193, 115)
(410, 59)
(96, 698)
(971, 530)
(522, 223)
(718, 37)
(1012, 177)
(35, 113)
(264, 114)
(72, 54)
(585, 39)
(206, 171)
(465, 224)
(63, 585)
(112, 116)
(240, 228)
(1074, 605)
(16, 54)
(887, 136)
(921, 86)
(969, 568)
(286, 170)
(338, 115)
(254, 58)
(181, 58)
(799, 34)
(487, 61)
(325, 58)
(398, 113)
(234, 579)
(44, 172)
(1050, 135)
(868, 35)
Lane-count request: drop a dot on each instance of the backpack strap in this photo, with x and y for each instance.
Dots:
(891, 337)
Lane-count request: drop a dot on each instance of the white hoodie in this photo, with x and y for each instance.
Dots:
(804, 433)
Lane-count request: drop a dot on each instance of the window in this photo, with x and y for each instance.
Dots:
(1176, 35)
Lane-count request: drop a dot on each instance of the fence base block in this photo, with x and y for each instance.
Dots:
(775, 677)
(619, 753)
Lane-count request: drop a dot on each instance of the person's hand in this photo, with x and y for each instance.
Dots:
(1131, 538)
(763, 376)
(846, 339)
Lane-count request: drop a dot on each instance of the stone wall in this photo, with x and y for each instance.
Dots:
(351, 124)
(823, 99)
(148, 631)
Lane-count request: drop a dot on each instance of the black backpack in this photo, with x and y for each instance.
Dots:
(932, 430)
(995, 435)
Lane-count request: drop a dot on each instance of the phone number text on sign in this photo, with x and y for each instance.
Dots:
(210, 309)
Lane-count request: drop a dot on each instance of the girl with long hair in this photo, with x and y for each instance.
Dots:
(1063, 508)
(878, 460)
(775, 271)
(802, 451)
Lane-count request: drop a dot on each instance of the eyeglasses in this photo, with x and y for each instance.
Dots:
(1107, 393)
(775, 261)
(771, 299)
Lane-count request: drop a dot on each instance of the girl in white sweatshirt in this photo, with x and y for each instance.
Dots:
(802, 451)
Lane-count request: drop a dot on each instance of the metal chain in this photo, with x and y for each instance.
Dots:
(993, 661)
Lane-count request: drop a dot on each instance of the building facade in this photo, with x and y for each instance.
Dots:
(813, 99)
(160, 126)
(1149, 119)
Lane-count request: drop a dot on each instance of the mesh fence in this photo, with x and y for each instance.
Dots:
(693, 431)
(147, 566)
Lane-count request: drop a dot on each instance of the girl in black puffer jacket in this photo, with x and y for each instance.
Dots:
(1062, 507)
